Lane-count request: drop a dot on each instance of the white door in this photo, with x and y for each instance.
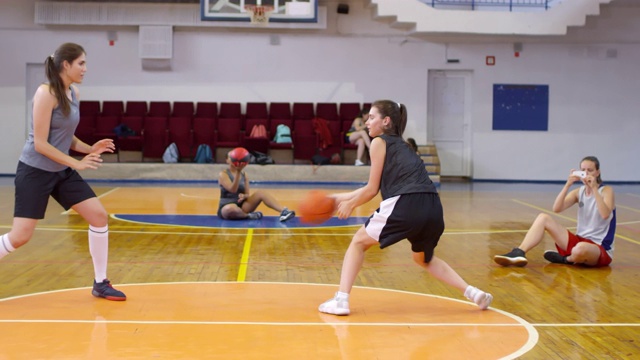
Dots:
(35, 77)
(449, 120)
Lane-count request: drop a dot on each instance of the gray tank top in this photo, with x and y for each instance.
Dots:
(60, 136)
(227, 197)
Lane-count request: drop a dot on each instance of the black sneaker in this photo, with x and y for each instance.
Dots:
(286, 214)
(254, 215)
(556, 258)
(514, 258)
(105, 290)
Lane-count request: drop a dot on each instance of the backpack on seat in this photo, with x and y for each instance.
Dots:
(123, 131)
(283, 134)
(204, 155)
(171, 154)
(258, 131)
(261, 158)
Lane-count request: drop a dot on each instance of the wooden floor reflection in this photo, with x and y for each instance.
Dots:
(246, 293)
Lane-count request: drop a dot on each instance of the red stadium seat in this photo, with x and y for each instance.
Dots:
(181, 134)
(206, 110)
(279, 110)
(303, 111)
(327, 111)
(154, 137)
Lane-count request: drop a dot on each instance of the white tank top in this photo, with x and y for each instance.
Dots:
(591, 225)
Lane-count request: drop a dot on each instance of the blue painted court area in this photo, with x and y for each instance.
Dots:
(212, 221)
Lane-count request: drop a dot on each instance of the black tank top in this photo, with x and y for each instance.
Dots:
(403, 171)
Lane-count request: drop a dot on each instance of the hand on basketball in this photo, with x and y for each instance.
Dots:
(239, 166)
(104, 145)
(91, 161)
(345, 208)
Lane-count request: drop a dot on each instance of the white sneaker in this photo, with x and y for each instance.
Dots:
(359, 163)
(481, 298)
(335, 306)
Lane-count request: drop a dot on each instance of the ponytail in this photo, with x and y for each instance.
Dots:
(56, 86)
(53, 67)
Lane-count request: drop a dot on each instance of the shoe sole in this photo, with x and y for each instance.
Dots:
(287, 217)
(508, 261)
(112, 298)
(338, 313)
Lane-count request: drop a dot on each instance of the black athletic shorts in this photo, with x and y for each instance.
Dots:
(416, 217)
(34, 186)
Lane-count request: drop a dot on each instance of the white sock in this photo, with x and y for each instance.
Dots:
(5, 246)
(342, 295)
(99, 249)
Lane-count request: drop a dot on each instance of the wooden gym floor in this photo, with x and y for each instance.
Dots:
(251, 290)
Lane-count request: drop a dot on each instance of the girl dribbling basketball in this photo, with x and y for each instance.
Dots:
(410, 209)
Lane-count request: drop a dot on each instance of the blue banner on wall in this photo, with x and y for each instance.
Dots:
(520, 107)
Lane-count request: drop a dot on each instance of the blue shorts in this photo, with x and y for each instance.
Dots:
(416, 217)
(34, 186)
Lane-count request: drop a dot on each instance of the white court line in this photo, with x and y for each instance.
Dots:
(198, 197)
(99, 196)
(532, 340)
(272, 323)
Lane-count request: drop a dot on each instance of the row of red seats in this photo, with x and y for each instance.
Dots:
(157, 124)
(254, 110)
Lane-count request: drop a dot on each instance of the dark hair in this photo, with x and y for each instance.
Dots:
(412, 144)
(396, 112)
(595, 161)
(365, 112)
(53, 65)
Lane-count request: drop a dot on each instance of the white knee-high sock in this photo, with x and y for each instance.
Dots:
(5, 246)
(99, 249)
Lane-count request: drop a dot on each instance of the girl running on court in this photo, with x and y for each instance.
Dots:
(46, 169)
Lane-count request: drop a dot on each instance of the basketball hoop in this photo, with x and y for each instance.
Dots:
(259, 13)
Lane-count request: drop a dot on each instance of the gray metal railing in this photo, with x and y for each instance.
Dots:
(476, 4)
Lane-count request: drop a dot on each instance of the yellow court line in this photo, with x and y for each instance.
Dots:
(543, 210)
(628, 208)
(242, 272)
(628, 239)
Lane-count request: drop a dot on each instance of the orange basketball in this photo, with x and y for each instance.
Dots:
(316, 208)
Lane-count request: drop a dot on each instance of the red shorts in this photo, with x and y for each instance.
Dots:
(574, 239)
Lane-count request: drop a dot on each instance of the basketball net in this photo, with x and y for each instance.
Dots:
(259, 13)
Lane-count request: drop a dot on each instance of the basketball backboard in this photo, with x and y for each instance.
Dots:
(283, 10)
